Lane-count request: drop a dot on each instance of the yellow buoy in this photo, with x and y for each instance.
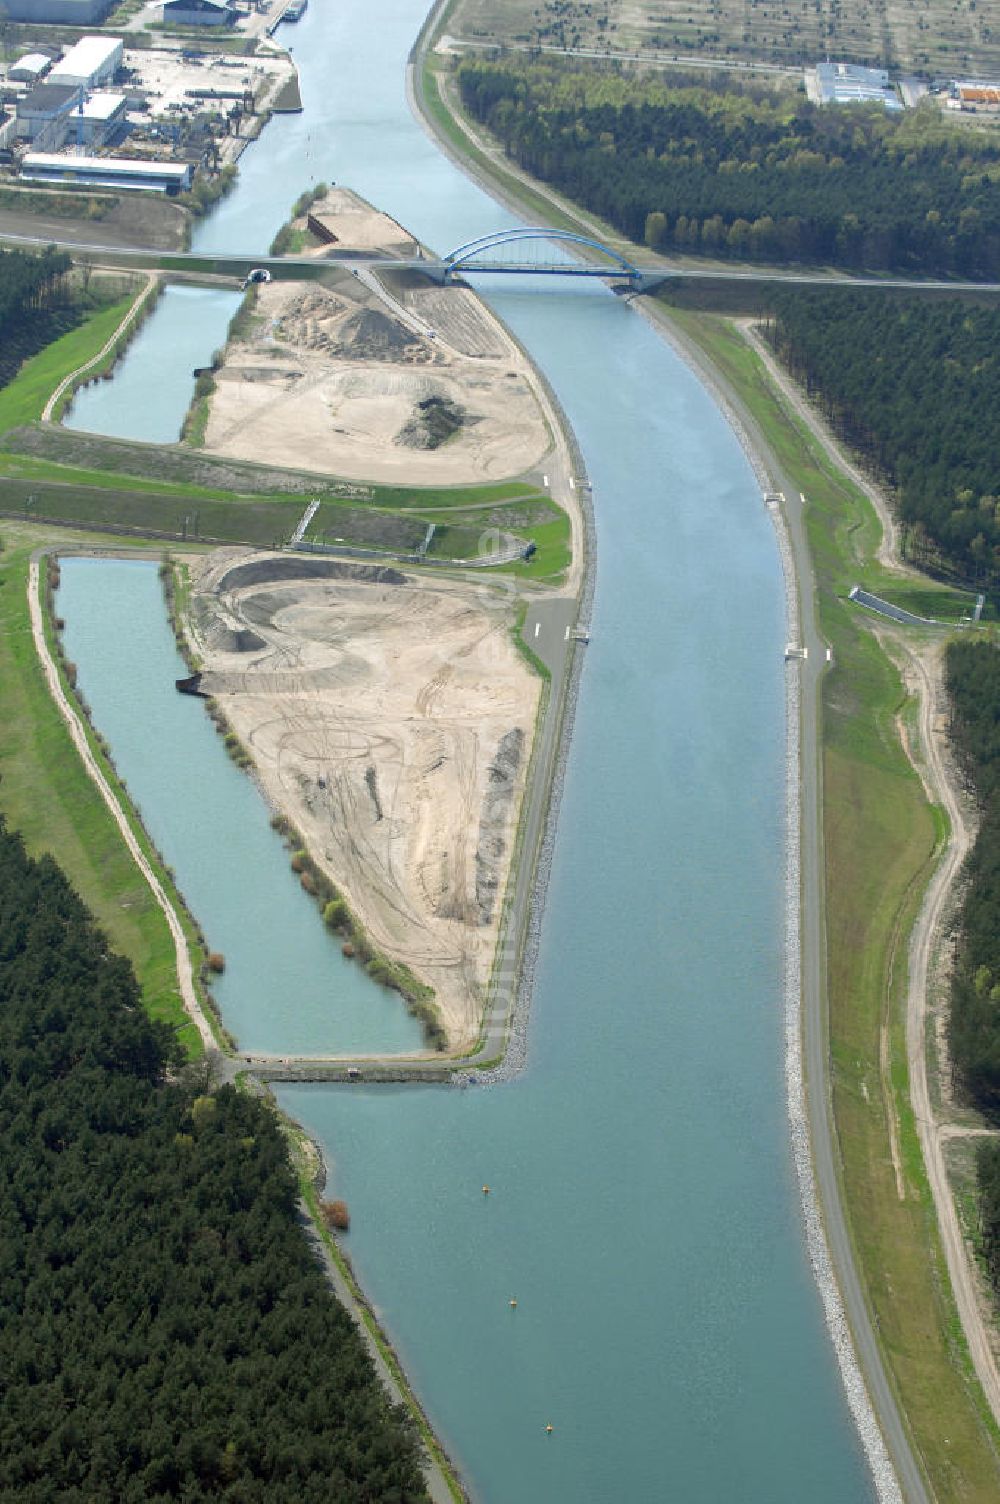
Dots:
(549, 1429)
(486, 1190)
(513, 1303)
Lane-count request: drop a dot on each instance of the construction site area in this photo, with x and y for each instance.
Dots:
(390, 719)
(384, 378)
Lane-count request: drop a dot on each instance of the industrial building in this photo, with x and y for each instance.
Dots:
(30, 69)
(199, 13)
(849, 83)
(43, 116)
(974, 94)
(107, 172)
(90, 62)
(63, 12)
(101, 117)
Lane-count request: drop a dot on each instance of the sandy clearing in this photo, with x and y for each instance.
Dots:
(345, 379)
(390, 718)
(351, 223)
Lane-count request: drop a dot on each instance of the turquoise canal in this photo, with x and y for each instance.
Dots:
(286, 987)
(643, 1209)
(157, 373)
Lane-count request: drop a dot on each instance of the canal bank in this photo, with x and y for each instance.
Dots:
(870, 1396)
(642, 1192)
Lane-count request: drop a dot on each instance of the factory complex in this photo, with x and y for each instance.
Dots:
(100, 112)
(836, 84)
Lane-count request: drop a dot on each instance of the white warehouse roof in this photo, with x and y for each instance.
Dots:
(125, 167)
(31, 65)
(87, 56)
(102, 106)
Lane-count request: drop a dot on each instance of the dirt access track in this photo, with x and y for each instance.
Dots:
(390, 719)
(377, 377)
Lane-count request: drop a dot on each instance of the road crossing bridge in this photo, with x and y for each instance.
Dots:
(508, 252)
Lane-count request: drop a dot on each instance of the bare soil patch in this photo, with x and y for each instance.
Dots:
(390, 719)
(356, 383)
(956, 40)
(127, 220)
(348, 222)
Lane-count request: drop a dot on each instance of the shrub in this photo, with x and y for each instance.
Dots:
(335, 914)
(337, 1216)
(216, 962)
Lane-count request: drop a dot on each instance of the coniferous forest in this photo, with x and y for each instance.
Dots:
(165, 1331)
(739, 170)
(914, 386)
(974, 1024)
(35, 305)
(973, 670)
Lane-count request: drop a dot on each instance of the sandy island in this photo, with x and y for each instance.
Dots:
(379, 378)
(390, 717)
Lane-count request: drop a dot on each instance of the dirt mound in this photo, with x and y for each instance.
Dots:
(310, 321)
(261, 571)
(436, 420)
(371, 334)
(494, 824)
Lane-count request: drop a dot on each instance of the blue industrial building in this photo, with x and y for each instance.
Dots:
(850, 83)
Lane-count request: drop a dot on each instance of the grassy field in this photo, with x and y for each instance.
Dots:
(24, 398)
(58, 476)
(953, 37)
(46, 795)
(880, 837)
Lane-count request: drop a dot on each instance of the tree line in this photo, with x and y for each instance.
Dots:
(165, 1330)
(973, 675)
(35, 305)
(914, 385)
(734, 170)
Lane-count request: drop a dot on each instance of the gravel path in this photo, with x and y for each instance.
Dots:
(152, 281)
(932, 1135)
(185, 975)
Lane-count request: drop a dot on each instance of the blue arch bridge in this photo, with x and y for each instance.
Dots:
(526, 250)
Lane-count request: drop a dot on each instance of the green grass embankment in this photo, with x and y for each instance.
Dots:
(46, 794)
(23, 399)
(881, 841)
(539, 206)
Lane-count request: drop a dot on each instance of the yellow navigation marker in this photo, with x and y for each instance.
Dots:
(486, 1190)
(513, 1303)
(549, 1429)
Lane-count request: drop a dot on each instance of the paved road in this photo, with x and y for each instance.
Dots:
(238, 264)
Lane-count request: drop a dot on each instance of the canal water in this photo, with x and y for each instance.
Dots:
(152, 400)
(286, 987)
(643, 1211)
